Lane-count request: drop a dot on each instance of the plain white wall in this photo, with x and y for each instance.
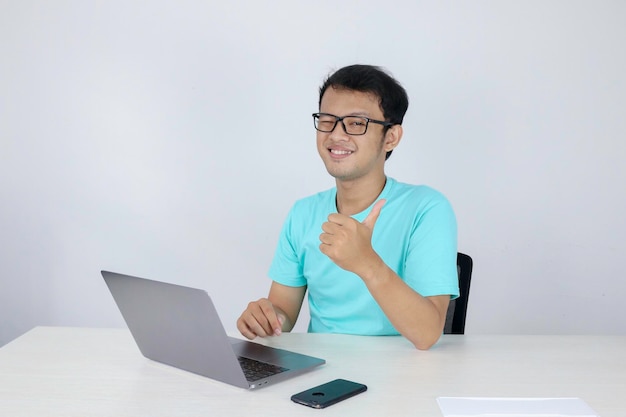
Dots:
(169, 139)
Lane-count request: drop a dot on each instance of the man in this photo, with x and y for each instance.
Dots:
(378, 257)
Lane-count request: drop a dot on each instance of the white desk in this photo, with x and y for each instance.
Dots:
(100, 372)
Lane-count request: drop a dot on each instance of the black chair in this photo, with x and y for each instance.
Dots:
(457, 310)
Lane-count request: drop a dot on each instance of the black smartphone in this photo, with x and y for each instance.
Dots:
(329, 393)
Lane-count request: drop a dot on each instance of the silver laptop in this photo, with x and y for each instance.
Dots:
(179, 326)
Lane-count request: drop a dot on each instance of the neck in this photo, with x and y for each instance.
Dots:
(355, 196)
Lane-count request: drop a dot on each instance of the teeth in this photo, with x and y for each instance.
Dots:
(338, 152)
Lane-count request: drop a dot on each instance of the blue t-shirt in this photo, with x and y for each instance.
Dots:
(415, 235)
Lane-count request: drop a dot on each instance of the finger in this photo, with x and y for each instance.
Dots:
(247, 327)
(243, 328)
(339, 219)
(256, 319)
(325, 249)
(248, 334)
(265, 319)
(260, 325)
(371, 218)
(326, 238)
(331, 228)
(273, 320)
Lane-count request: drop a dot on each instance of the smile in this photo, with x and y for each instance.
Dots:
(340, 152)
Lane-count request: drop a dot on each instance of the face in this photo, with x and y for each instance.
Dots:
(349, 157)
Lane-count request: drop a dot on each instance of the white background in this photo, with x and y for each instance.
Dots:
(169, 139)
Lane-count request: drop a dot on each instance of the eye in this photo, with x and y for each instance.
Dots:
(325, 122)
(355, 121)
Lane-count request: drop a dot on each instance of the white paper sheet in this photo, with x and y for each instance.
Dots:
(514, 407)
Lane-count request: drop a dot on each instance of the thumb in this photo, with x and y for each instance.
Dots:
(371, 218)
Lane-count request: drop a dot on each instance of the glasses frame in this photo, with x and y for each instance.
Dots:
(338, 119)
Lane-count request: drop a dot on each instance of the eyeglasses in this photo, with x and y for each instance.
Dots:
(352, 125)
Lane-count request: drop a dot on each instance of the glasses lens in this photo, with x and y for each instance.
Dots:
(355, 125)
(324, 122)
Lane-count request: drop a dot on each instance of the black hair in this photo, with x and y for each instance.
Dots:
(392, 97)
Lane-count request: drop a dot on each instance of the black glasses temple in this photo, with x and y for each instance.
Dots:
(386, 124)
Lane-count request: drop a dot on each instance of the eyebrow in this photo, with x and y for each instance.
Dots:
(356, 113)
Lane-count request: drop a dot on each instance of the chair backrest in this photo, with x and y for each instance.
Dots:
(457, 310)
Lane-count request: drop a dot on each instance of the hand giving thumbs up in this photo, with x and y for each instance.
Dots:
(347, 242)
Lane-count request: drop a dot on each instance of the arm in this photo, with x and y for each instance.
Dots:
(419, 319)
(348, 243)
(274, 314)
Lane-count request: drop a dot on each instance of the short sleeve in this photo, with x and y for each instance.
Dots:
(286, 267)
(432, 252)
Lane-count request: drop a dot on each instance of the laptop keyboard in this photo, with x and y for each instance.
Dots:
(255, 370)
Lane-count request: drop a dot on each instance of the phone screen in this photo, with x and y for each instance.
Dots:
(329, 393)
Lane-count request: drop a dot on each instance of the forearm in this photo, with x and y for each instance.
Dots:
(419, 319)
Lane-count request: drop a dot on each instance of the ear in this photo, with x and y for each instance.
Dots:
(393, 137)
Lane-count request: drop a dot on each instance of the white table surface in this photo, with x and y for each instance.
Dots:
(59, 371)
